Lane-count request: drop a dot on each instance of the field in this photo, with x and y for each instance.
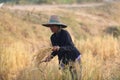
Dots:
(95, 31)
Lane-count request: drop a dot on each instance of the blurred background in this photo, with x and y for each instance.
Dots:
(53, 1)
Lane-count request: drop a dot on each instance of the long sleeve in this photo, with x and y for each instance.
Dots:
(66, 48)
(54, 53)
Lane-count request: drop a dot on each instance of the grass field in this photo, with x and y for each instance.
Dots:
(95, 32)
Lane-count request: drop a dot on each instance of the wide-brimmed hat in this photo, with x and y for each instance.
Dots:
(54, 20)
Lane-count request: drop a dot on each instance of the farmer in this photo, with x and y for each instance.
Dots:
(63, 46)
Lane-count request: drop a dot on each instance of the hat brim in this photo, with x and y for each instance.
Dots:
(52, 24)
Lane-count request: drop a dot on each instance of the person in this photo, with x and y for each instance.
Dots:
(63, 46)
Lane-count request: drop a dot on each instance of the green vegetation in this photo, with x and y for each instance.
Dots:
(48, 1)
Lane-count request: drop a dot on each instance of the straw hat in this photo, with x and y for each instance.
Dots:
(54, 20)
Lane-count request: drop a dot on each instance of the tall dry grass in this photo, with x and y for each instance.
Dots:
(100, 61)
(18, 57)
(13, 58)
(100, 58)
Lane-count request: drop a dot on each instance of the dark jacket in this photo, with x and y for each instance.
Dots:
(68, 51)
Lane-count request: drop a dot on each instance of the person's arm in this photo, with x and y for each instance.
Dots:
(54, 53)
(66, 48)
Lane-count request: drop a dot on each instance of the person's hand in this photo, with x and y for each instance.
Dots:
(48, 58)
(55, 48)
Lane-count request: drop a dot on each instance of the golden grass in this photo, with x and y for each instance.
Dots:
(13, 58)
(100, 58)
(100, 61)
(106, 47)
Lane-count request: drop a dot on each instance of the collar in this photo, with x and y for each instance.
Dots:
(58, 32)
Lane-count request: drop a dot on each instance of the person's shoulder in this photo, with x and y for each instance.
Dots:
(52, 36)
(64, 31)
